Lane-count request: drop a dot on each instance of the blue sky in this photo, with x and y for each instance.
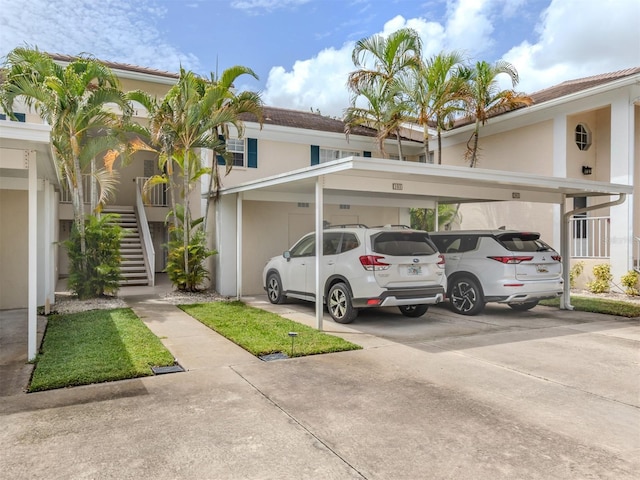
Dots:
(301, 49)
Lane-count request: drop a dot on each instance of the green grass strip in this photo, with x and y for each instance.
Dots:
(262, 333)
(96, 346)
(599, 305)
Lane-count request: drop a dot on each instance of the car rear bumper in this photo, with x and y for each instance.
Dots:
(525, 297)
(403, 296)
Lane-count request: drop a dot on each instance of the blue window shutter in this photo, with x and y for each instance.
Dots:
(220, 157)
(315, 155)
(3, 116)
(252, 152)
(366, 154)
(21, 117)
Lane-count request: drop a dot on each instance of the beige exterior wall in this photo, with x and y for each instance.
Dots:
(270, 228)
(14, 216)
(636, 181)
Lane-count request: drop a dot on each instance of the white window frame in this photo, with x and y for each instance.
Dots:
(330, 154)
(237, 147)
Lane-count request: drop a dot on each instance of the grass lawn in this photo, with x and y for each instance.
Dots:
(96, 346)
(263, 333)
(599, 305)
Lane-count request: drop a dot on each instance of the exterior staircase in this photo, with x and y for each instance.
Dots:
(133, 265)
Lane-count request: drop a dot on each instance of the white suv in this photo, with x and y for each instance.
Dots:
(361, 267)
(505, 266)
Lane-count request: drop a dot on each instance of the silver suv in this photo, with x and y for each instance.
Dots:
(505, 266)
(361, 268)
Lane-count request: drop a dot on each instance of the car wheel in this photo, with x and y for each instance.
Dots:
(465, 296)
(339, 304)
(413, 310)
(522, 307)
(274, 289)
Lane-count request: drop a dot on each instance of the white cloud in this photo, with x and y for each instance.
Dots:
(115, 30)
(269, 5)
(578, 39)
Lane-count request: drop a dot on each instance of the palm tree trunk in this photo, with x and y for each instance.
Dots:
(399, 145)
(439, 146)
(425, 136)
(185, 222)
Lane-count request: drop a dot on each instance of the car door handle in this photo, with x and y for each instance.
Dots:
(331, 263)
(454, 257)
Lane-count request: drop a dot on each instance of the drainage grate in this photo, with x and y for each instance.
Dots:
(273, 356)
(170, 369)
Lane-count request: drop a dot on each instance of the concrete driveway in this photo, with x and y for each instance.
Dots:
(538, 395)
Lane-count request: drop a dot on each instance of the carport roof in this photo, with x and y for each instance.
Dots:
(375, 181)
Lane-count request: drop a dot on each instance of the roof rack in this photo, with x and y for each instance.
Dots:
(347, 225)
(404, 227)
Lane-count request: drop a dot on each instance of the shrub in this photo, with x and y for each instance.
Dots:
(97, 272)
(630, 282)
(602, 281)
(575, 272)
(197, 253)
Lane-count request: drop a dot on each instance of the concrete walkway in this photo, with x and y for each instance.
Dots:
(544, 395)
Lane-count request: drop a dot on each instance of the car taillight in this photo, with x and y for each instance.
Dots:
(441, 261)
(511, 260)
(373, 262)
(557, 258)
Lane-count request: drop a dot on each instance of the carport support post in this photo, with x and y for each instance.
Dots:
(32, 295)
(319, 232)
(565, 252)
(239, 246)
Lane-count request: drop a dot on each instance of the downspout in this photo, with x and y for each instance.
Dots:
(565, 301)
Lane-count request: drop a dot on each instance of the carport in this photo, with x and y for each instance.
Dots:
(391, 183)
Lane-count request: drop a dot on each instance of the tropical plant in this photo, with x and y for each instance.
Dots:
(194, 114)
(435, 90)
(424, 218)
(187, 277)
(484, 98)
(392, 58)
(96, 271)
(575, 272)
(74, 101)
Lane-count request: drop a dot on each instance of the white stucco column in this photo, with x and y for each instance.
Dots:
(319, 232)
(32, 349)
(559, 170)
(621, 171)
(226, 245)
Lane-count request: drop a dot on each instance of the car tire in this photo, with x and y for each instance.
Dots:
(523, 307)
(339, 304)
(274, 289)
(465, 296)
(413, 311)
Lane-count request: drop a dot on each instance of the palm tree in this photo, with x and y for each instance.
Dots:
(193, 115)
(424, 218)
(73, 101)
(434, 90)
(393, 57)
(484, 98)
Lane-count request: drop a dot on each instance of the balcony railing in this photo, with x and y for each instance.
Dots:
(65, 193)
(590, 237)
(156, 196)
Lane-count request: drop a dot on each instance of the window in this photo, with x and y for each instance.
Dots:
(403, 243)
(305, 247)
(235, 146)
(20, 116)
(583, 137)
(349, 242)
(327, 155)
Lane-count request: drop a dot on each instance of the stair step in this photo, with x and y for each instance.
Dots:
(141, 282)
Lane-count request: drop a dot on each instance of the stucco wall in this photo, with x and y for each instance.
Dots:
(14, 256)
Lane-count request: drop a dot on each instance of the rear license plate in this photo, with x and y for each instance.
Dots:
(414, 270)
(542, 269)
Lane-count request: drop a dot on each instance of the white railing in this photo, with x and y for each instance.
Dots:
(590, 237)
(65, 193)
(147, 242)
(636, 258)
(155, 196)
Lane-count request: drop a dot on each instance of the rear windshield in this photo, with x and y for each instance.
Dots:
(523, 242)
(403, 243)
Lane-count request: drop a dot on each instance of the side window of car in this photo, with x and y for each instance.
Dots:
(330, 243)
(349, 242)
(305, 247)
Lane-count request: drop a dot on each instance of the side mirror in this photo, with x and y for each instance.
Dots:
(287, 255)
